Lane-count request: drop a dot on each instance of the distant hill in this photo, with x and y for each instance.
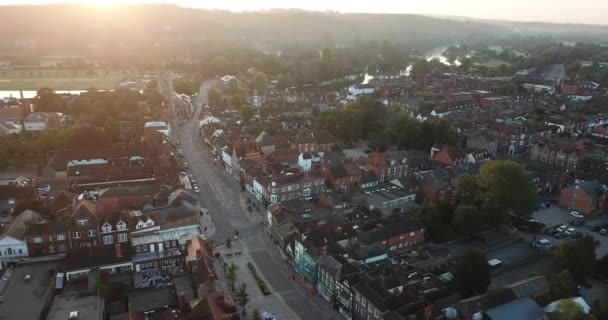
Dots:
(73, 25)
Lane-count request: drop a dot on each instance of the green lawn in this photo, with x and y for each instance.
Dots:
(493, 63)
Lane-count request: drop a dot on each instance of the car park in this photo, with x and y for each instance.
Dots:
(576, 214)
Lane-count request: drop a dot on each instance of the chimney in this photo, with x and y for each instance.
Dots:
(118, 251)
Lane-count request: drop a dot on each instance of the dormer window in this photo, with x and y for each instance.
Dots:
(121, 226)
(106, 228)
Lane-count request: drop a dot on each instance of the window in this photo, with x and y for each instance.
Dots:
(106, 228)
(137, 248)
(121, 226)
(107, 240)
(122, 237)
(82, 222)
(145, 248)
(174, 243)
(51, 238)
(37, 239)
(91, 233)
(61, 237)
(20, 251)
(76, 234)
(51, 249)
(61, 248)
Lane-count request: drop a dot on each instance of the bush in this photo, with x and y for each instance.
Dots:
(261, 284)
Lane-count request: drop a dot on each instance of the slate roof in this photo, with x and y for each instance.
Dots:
(594, 189)
(388, 231)
(520, 309)
(17, 227)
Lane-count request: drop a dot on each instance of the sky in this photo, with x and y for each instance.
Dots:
(568, 11)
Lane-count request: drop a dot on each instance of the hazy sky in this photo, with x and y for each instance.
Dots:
(580, 11)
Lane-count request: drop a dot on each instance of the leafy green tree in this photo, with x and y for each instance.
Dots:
(283, 82)
(600, 308)
(237, 99)
(242, 296)
(444, 133)
(214, 96)
(420, 68)
(508, 183)
(472, 273)
(578, 257)
(256, 315)
(570, 310)
(46, 100)
(260, 82)
(468, 220)
(467, 189)
(247, 113)
(185, 86)
(231, 274)
(563, 285)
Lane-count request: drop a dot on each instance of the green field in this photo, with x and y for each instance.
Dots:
(60, 79)
(493, 63)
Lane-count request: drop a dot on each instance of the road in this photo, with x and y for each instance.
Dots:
(221, 194)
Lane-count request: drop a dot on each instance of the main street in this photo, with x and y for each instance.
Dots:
(221, 194)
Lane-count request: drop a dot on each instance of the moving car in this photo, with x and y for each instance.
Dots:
(196, 190)
(576, 214)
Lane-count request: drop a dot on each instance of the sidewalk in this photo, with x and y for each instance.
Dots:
(207, 225)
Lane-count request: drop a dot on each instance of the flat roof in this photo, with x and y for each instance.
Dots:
(33, 292)
(89, 306)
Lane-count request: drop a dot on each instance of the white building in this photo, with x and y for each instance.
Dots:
(360, 89)
(159, 126)
(13, 245)
(307, 159)
(39, 121)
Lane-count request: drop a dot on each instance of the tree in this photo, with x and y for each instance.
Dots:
(214, 97)
(420, 68)
(600, 308)
(562, 285)
(247, 113)
(47, 100)
(256, 315)
(578, 257)
(467, 189)
(185, 86)
(260, 82)
(570, 310)
(242, 296)
(237, 99)
(231, 274)
(472, 273)
(468, 220)
(87, 137)
(443, 132)
(112, 129)
(508, 183)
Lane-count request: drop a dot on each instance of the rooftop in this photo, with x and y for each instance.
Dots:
(151, 299)
(88, 306)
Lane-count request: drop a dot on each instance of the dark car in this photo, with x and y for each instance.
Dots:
(596, 228)
(560, 235)
(551, 232)
(576, 235)
(577, 222)
(544, 204)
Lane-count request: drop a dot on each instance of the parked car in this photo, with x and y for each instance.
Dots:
(576, 235)
(196, 190)
(186, 165)
(562, 228)
(596, 227)
(560, 235)
(570, 231)
(577, 222)
(551, 231)
(545, 204)
(604, 232)
(576, 214)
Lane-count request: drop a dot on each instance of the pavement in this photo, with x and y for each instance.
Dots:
(221, 194)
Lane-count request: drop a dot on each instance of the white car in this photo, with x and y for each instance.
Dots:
(576, 214)
(196, 190)
(570, 231)
(562, 228)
